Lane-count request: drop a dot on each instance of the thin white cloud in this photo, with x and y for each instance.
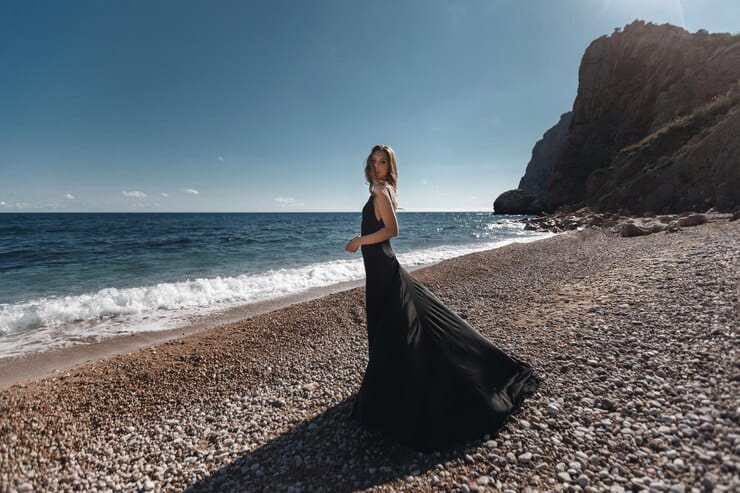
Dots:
(424, 181)
(679, 8)
(221, 158)
(137, 194)
(287, 201)
(189, 191)
(164, 194)
(69, 196)
(3, 204)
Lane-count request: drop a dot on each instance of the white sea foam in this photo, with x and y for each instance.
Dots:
(57, 321)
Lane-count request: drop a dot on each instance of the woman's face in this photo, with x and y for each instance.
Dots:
(379, 165)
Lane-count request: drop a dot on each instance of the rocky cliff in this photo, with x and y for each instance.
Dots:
(654, 125)
(546, 151)
(690, 164)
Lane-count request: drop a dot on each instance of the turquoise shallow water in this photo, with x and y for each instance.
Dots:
(61, 271)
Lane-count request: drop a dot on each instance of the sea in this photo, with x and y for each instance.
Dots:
(73, 278)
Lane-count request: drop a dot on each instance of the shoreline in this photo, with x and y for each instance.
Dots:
(23, 368)
(15, 370)
(634, 338)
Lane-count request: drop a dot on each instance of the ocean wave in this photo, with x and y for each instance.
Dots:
(138, 305)
(505, 224)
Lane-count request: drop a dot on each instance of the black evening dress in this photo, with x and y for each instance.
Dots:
(431, 379)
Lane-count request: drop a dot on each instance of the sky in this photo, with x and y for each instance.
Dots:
(180, 106)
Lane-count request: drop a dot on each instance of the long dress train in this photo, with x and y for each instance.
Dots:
(431, 378)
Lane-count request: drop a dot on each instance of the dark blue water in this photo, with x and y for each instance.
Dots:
(69, 254)
(63, 254)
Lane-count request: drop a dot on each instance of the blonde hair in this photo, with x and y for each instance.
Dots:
(391, 178)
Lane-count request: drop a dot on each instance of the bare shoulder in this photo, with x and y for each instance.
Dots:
(380, 186)
(385, 189)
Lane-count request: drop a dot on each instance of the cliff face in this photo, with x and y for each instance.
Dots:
(692, 163)
(545, 152)
(647, 132)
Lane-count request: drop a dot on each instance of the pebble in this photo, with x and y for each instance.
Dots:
(484, 480)
(564, 477)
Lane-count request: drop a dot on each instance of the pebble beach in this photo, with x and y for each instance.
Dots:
(634, 338)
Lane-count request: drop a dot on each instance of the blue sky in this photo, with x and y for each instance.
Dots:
(274, 105)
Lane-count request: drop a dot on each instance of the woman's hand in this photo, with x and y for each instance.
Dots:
(353, 244)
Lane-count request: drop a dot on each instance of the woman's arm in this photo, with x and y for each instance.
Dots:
(387, 214)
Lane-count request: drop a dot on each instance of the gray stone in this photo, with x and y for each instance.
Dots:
(692, 220)
(517, 201)
(630, 229)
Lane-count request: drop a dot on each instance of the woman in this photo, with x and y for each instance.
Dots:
(431, 378)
